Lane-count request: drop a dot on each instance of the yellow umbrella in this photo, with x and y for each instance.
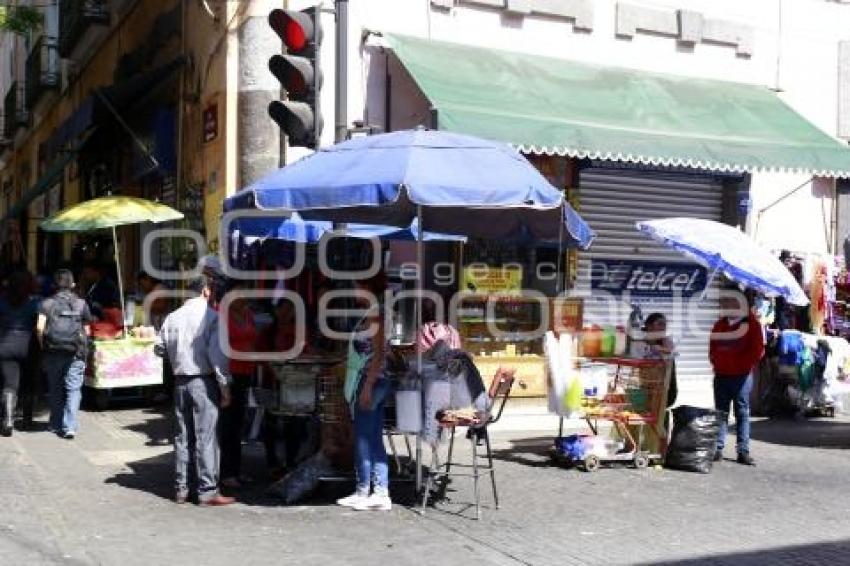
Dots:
(109, 212)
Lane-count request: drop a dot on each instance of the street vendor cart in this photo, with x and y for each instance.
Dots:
(635, 405)
(125, 361)
(121, 363)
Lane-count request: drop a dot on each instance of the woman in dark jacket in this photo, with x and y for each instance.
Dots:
(18, 311)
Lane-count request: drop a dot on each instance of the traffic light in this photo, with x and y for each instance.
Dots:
(300, 74)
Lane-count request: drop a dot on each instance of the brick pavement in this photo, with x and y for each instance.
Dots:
(102, 499)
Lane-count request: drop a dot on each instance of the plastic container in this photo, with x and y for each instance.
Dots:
(621, 341)
(408, 410)
(608, 343)
(637, 349)
(594, 377)
(591, 342)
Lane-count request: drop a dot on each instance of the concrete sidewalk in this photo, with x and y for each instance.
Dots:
(104, 499)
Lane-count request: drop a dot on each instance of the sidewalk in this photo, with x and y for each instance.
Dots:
(103, 499)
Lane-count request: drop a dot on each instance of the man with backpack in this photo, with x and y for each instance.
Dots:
(63, 330)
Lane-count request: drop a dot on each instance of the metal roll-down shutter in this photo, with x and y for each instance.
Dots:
(611, 201)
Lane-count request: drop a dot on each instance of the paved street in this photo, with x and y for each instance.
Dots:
(102, 499)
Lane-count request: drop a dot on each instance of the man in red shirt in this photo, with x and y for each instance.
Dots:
(737, 345)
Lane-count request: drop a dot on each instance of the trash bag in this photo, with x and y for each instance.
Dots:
(694, 439)
(302, 481)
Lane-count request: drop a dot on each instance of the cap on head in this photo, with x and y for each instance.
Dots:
(64, 279)
(211, 266)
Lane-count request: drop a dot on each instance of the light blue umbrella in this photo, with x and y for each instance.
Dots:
(725, 249)
(454, 184)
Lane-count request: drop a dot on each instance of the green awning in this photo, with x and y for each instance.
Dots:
(553, 106)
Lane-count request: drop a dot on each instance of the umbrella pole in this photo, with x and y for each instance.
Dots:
(120, 281)
(419, 262)
(709, 282)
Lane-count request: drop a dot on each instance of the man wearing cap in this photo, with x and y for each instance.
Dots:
(62, 328)
(189, 337)
(735, 348)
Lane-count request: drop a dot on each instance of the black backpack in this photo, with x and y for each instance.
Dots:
(64, 330)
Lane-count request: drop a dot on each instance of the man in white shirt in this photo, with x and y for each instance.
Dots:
(189, 337)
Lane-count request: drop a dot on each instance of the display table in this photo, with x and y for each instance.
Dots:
(123, 362)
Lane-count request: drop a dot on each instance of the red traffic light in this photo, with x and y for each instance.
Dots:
(294, 28)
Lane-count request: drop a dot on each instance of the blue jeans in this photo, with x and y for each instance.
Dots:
(370, 455)
(734, 390)
(65, 373)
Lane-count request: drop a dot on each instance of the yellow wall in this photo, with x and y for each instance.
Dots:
(210, 44)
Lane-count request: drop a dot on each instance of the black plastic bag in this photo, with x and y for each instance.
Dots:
(694, 439)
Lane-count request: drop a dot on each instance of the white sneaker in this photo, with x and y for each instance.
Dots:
(375, 503)
(352, 500)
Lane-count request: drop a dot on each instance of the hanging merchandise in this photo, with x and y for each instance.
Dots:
(817, 293)
(572, 398)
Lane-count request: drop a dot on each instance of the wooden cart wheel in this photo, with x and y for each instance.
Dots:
(641, 461)
(591, 463)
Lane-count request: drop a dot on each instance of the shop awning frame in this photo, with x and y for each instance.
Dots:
(545, 105)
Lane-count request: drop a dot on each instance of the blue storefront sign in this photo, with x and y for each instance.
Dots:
(647, 278)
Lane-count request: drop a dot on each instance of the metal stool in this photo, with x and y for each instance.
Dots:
(476, 432)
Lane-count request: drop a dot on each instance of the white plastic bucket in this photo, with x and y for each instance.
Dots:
(408, 410)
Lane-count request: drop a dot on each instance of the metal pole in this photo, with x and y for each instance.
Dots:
(341, 109)
(708, 283)
(419, 279)
(120, 281)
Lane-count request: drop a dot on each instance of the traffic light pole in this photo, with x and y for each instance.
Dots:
(341, 109)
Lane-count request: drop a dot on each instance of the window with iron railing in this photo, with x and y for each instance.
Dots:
(42, 69)
(75, 16)
(15, 113)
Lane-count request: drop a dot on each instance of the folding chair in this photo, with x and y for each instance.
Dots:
(476, 432)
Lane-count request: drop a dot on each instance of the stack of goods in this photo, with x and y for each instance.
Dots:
(806, 372)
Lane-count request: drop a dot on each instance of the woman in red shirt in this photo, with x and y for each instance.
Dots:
(242, 335)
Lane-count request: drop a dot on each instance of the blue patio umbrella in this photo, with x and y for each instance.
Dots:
(454, 184)
(725, 249)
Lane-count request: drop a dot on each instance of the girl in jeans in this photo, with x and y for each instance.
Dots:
(366, 388)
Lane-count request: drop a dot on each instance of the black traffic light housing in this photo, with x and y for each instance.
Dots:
(299, 72)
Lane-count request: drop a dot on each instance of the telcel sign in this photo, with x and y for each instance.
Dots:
(647, 279)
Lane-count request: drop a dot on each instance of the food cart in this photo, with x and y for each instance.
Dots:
(121, 363)
(125, 361)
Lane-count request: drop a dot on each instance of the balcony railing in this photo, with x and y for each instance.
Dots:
(42, 69)
(5, 141)
(75, 16)
(13, 109)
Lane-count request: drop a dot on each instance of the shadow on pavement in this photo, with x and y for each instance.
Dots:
(819, 553)
(812, 433)
(155, 475)
(158, 426)
(532, 452)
